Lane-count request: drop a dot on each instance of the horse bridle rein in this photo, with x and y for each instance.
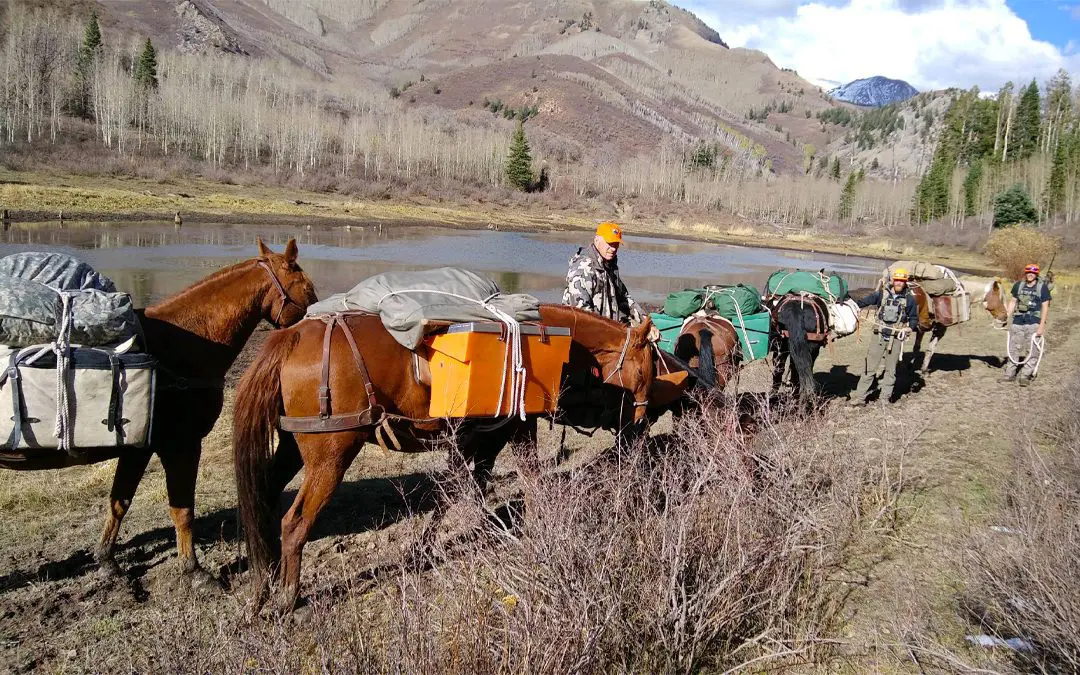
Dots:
(285, 299)
(619, 366)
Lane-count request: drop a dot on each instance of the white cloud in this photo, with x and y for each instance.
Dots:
(932, 44)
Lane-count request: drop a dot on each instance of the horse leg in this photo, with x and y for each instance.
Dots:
(780, 359)
(936, 334)
(287, 462)
(457, 476)
(916, 351)
(181, 464)
(325, 467)
(130, 468)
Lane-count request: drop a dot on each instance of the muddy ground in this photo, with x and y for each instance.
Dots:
(954, 429)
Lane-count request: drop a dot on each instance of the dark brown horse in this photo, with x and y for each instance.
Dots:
(195, 335)
(370, 379)
(800, 326)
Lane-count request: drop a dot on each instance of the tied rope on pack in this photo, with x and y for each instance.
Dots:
(63, 429)
(513, 360)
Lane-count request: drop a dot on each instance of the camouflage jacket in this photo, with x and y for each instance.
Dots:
(593, 283)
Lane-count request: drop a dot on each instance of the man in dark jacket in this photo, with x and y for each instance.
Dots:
(897, 319)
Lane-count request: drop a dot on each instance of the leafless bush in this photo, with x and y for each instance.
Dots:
(703, 550)
(1025, 580)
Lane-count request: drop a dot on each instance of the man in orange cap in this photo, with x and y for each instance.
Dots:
(897, 318)
(1029, 307)
(593, 281)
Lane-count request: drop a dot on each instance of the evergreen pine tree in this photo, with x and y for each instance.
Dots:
(834, 172)
(146, 69)
(84, 67)
(972, 182)
(847, 196)
(1028, 121)
(1014, 206)
(519, 162)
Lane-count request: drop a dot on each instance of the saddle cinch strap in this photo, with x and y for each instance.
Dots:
(326, 421)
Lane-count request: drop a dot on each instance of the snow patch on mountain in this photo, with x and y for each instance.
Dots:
(874, 91)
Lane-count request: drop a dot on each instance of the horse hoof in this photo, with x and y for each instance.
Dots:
(109, 570)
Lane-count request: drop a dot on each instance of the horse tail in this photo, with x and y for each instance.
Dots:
(255, 418)
(793, 318)
(706, 359)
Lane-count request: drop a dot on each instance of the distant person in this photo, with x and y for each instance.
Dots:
(593, 282)
(1029, 307)
(897, 319)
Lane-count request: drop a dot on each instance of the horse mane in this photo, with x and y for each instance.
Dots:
(199, 286)
(587, 315)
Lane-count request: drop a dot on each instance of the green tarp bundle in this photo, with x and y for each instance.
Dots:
(831, 287)
(732, 302)
(670, 327)
(684, 303)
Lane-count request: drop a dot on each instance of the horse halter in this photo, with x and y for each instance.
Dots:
(285, 299)
(619, 366)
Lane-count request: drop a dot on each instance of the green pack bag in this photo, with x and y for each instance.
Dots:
(670, 327)
(753, 331)
(731, 302)
(684, 303)
(832, 287)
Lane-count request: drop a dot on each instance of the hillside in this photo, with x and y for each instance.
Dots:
(610, 77)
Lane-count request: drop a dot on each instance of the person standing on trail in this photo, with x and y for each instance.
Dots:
(897, 319)
(593, 282)
(1028, 307)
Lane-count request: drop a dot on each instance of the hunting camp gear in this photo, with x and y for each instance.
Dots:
(73, 371)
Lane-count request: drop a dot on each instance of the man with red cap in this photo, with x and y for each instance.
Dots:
(1029, 307)
(593, 281)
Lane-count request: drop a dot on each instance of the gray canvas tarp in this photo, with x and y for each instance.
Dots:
(32, 290)
(405, 300)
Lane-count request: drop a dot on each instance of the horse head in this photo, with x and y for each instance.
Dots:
(289, 291)
(618, 355)
(990, 293)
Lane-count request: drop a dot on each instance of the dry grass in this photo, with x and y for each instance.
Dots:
(1013, 248)
(1024, 581)
(704, 551)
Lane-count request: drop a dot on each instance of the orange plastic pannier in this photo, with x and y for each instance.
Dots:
(469, 363)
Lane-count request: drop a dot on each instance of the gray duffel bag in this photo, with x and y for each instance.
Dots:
(110, 399)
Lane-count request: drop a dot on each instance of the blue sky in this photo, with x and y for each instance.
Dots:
(930, 43)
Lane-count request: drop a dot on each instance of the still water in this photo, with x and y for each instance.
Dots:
(154, 260)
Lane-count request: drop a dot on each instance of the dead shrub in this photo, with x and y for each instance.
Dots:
(1024, 580)
(1014, 247)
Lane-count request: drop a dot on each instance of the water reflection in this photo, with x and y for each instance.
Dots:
(154, 260)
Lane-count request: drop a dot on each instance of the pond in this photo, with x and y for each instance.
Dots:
(154, 259)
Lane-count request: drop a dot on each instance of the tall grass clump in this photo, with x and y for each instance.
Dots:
(1024, 580)
(1012, 248)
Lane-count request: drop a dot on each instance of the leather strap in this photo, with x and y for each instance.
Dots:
(112, 423)
(326, 421)
(16, 405)
(262, 262)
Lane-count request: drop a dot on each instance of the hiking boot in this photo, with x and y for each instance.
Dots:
(1008, 378)
(857, 403)
(1025, 381)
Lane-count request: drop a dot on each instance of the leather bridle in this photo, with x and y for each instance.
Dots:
(285, 299)
(619, 366)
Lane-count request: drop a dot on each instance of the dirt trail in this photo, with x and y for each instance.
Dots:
(955, 430)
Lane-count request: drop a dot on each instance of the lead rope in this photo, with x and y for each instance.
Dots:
(1038, 344)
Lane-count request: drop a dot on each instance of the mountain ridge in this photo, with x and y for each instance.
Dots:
(874, 92)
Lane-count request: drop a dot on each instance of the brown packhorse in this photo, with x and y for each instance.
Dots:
(800, 327)
(195, 336)
(369, 380)
(985, 291)
(720, 358)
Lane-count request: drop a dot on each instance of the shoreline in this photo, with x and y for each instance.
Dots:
(38, 199)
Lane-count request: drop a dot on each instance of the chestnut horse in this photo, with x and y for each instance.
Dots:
(711, 345)
(370, 380)
(195, 336)
(985, 291)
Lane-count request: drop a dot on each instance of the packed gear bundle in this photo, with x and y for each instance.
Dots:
(843, 315)
(74, 374)
(739, 305)
(480, 350)
(948, 302)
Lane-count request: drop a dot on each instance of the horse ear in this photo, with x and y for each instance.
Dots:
(291, 252)
(264, 251)
(641, 332)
